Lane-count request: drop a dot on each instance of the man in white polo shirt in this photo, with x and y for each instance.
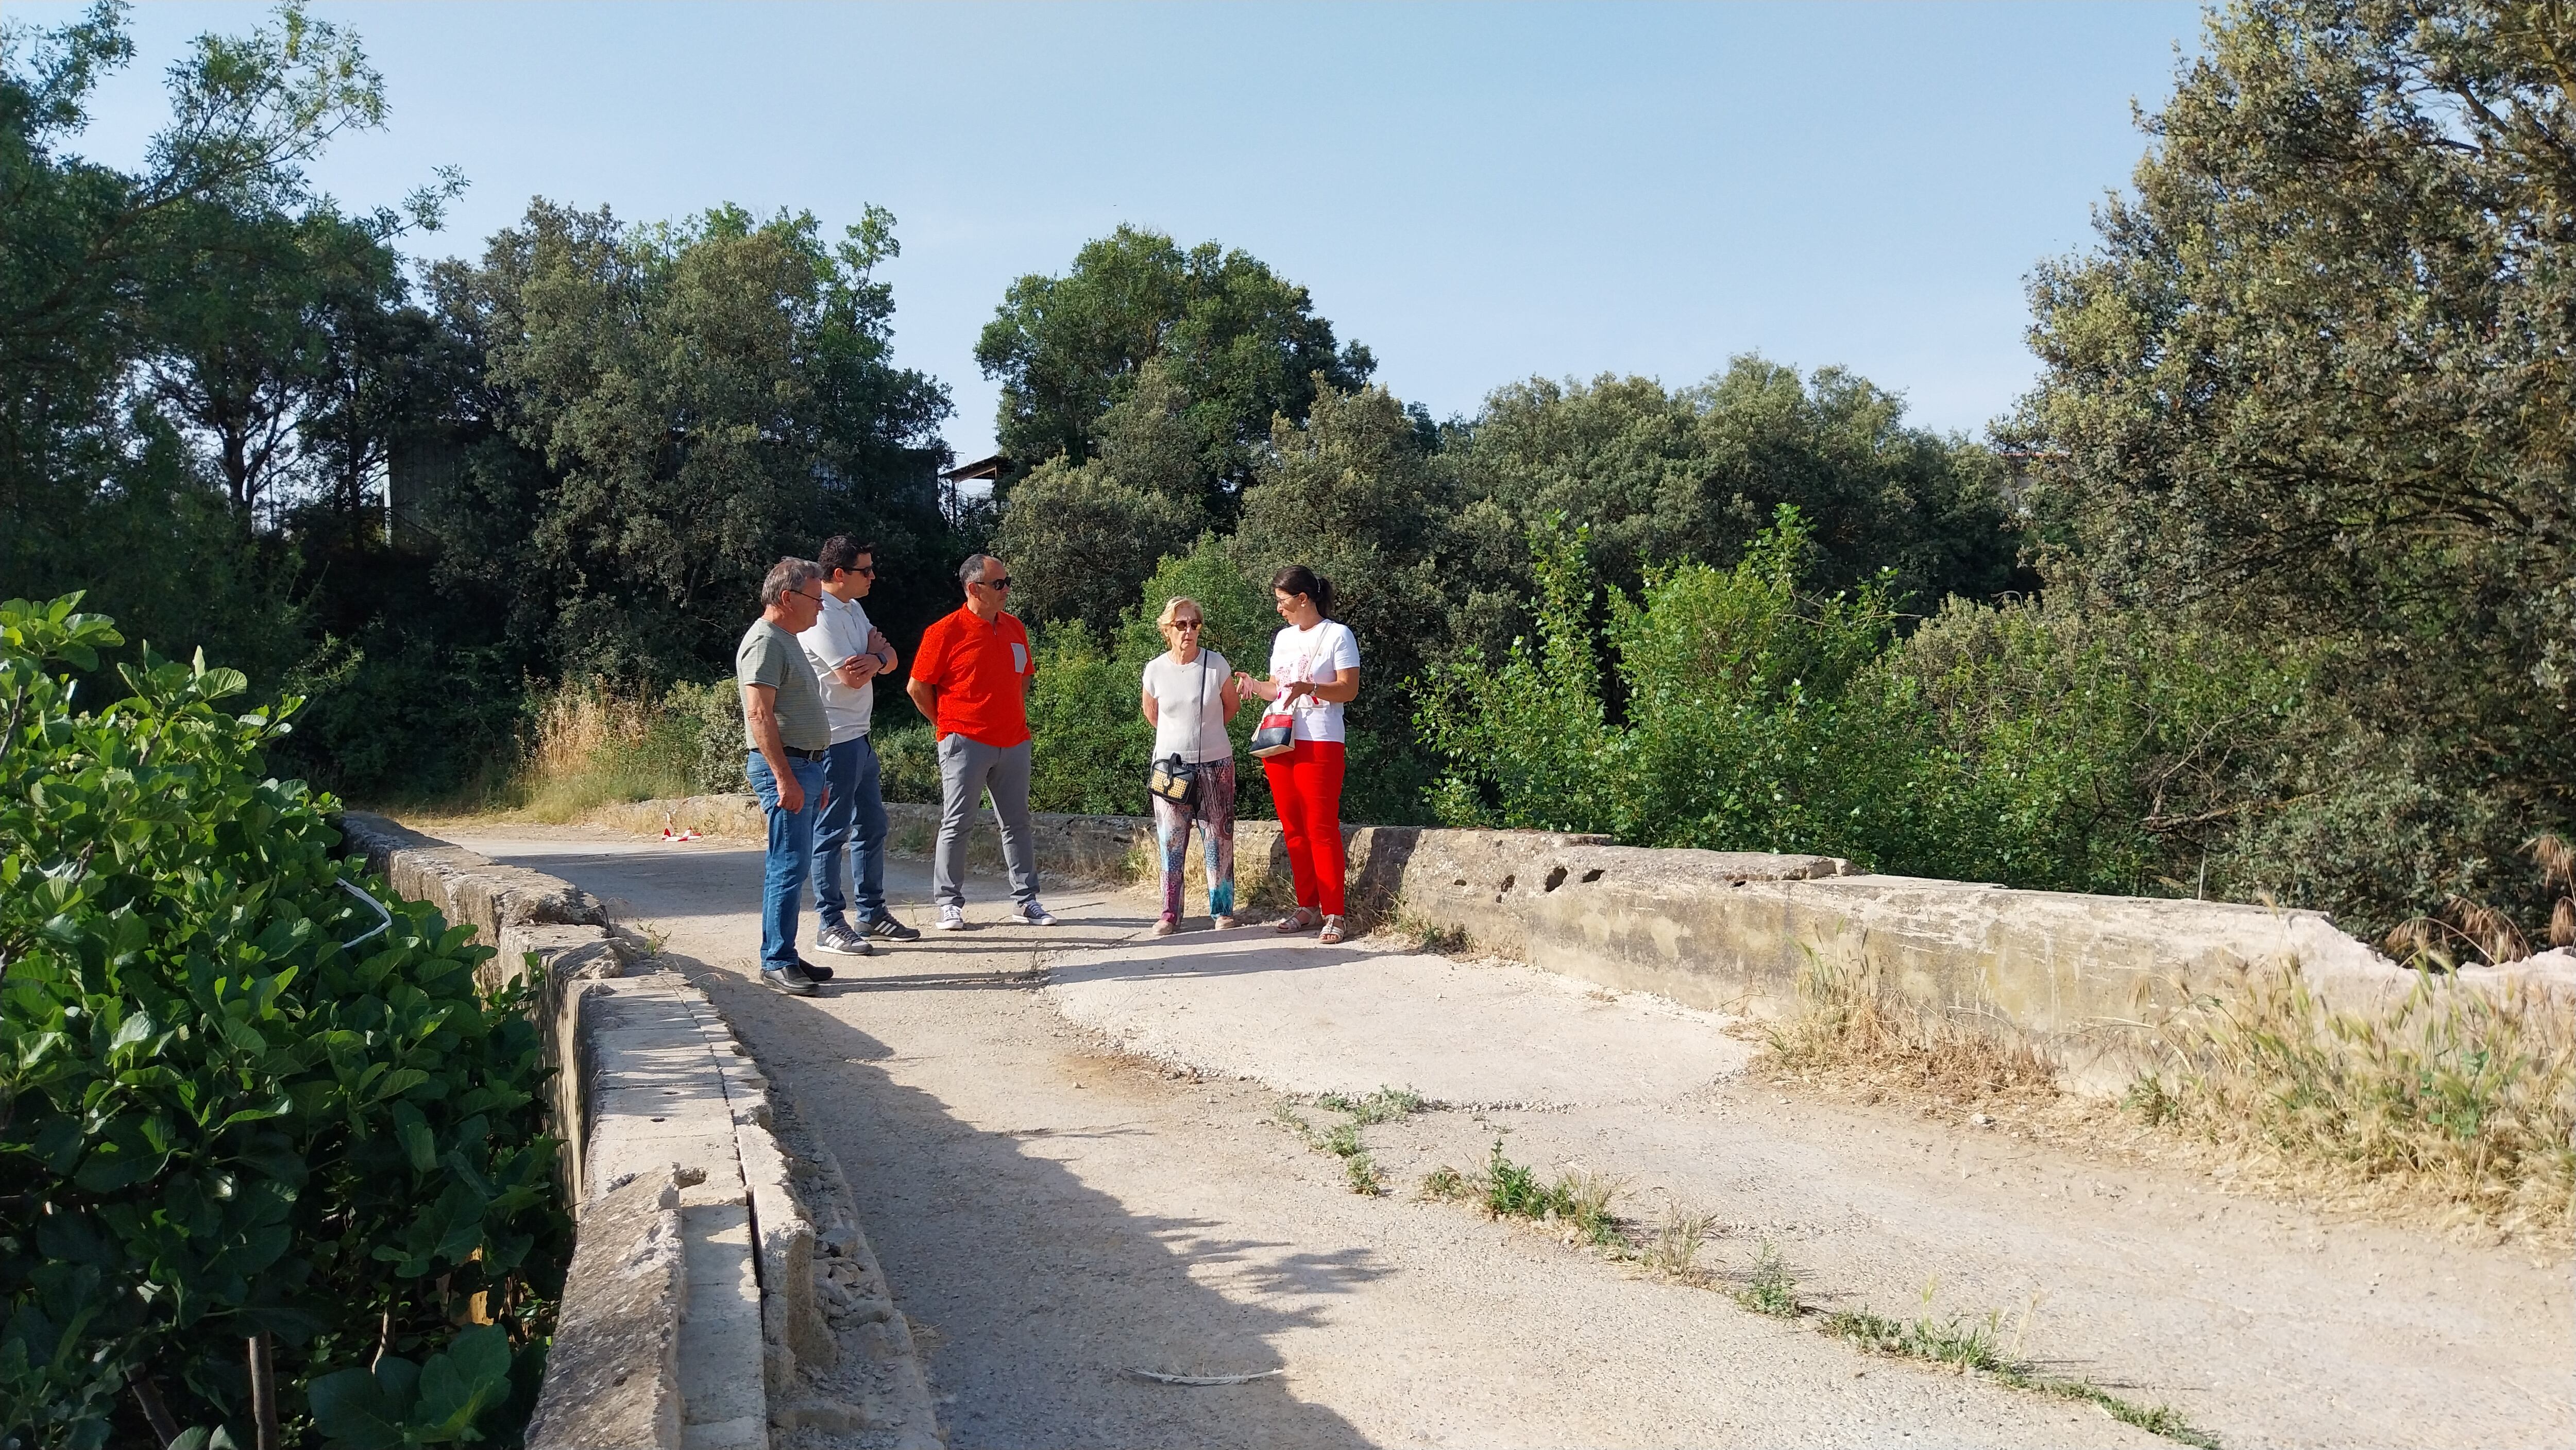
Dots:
(848, 654)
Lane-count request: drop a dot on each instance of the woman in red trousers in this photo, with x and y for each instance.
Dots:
(1314, 671)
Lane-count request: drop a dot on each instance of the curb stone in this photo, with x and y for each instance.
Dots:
(722, 1294)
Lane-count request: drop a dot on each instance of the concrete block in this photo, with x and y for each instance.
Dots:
(613, 1378)
(791, 1316)
(722, 1369)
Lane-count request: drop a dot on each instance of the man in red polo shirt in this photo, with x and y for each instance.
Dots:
(971, 676)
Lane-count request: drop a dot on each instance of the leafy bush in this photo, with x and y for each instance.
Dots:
(2031, 743)
(1743, 729)
(233, 1105)
(907, 762)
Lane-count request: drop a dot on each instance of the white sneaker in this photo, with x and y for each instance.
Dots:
(1032, 914)
(952, 918)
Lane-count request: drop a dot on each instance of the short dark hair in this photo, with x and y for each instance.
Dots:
(842, 552)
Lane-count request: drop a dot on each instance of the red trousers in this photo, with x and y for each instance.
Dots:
(1306, 786)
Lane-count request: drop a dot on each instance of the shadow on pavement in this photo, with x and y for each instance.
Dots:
(1041, 1294)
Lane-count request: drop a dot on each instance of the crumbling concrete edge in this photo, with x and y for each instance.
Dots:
(838, 1365)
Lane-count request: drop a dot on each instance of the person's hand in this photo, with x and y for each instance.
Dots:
(878, 644)
(1296, 689)
(791, 796)
(857, 670)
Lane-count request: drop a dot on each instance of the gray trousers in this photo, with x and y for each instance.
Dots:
(968, 768)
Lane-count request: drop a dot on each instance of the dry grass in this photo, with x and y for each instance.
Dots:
(2452, 1106)
(1673, 1253)
(2461, 1099)
(1865, 1043)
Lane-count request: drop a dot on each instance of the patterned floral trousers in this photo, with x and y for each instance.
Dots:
(1213, 811)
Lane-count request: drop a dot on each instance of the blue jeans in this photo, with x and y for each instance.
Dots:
(854, 824)
(791, 857)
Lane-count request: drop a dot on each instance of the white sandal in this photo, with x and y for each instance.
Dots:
(1299, 920)
(1332, 931)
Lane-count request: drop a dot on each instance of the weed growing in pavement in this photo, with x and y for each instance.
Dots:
(1342, 1140)
(1383, 1106)
(1505, 1189)
(1972, 1345)
(1771, 1289)
(1674, 1251)
(1431, 939)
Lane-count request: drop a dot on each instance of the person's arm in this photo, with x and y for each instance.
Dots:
(925, 695)
(760, 707)
(1229, 696)
(1344, 688)
(881, 649)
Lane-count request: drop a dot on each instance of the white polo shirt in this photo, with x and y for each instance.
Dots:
(840, 633)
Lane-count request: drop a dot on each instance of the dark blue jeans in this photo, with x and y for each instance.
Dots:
(853, 825)
(791, 857)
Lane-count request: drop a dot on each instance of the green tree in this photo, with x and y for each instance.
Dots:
(2314, 379)
(102, 490)
(1692, 475)
(1242, 343)
(1082, 537)
(671, 409)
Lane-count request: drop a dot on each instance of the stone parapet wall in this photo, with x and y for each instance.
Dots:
(721, 1293)
(2084, 979)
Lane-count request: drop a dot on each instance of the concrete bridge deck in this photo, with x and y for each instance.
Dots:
(1060, 1213)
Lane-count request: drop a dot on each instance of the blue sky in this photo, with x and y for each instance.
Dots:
(1479, 193)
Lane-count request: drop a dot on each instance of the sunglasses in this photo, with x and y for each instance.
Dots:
(1185, 624)
(1002, 583)
(866, 570)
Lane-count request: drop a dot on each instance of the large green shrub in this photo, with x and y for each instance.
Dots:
(230, 1108)
(2037, 745)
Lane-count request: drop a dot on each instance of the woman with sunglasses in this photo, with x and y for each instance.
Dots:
(1190, 693)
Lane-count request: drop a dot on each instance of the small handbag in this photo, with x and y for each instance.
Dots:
(1277, 734)
(1172, 778)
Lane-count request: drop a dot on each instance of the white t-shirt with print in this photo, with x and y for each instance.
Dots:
(840, 634)
(1189, 706)
(1318, 655)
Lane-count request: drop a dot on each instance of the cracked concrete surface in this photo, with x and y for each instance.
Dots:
(1054, 1213)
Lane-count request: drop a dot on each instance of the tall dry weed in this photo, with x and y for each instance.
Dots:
(1852, 1035)
(2465, 1095)
(587, 747)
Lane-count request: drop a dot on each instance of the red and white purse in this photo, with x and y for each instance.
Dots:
(1277, 734)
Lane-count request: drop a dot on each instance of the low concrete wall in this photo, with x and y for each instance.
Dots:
(2083, 979)
(705, 1309)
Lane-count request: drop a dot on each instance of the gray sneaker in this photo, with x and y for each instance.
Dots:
(840, 939)
(952, 918)
(1030, 913)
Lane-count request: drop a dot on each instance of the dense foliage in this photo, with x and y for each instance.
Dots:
(232, 1106)
(233, 416)
(2313, 383)
(2266, 588)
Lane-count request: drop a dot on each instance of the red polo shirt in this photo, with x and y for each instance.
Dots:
(980, 672)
